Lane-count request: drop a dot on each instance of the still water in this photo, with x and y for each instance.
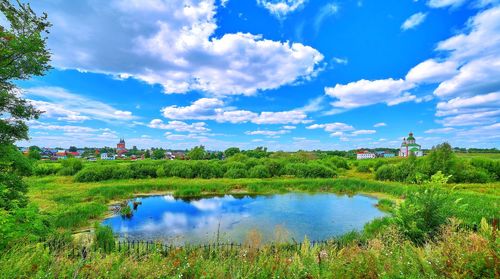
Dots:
(230, 218)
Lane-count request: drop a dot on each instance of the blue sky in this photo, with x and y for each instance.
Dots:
(286, 74)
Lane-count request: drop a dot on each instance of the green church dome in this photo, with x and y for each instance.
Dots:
(410, 137)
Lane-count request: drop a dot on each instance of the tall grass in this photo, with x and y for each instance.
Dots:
(455, 254)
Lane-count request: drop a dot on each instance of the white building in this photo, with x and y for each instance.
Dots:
(104, 156)
(364, 155)
(410, 147)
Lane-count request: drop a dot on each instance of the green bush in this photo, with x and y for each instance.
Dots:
(178, 169)
(236, 173)
(363, 168)
(422, 214)
(42, 169)
(70, 166)
(259, 171)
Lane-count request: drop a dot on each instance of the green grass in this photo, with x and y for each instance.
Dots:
(456, 254)
(494, 156)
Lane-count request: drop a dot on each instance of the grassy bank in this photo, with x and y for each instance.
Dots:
(72, 205)
(455, 254)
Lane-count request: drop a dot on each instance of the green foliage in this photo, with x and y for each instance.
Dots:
(126, 210)
(12, 191)
(43, 169)
(103, 238)
(70, 166)
(231, 151)
(197, 153)
(34, 154)
(23, 54)
(236, 173)
(21, 224)
(422, 214)
(158, 154)
(363, 168)
(259, 171)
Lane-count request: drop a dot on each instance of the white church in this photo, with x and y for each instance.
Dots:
(409, 146)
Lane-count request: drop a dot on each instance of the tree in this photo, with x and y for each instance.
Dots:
(34, 154)
(197, 153)
(158, 154)
(23, 54)
(441, 158)
(72, 149)
(231, 151)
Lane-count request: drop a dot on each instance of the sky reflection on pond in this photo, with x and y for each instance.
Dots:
(319, 216)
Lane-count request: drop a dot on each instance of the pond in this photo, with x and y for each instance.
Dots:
(230, 218)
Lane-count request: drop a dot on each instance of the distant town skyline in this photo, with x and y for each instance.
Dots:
(287, 75)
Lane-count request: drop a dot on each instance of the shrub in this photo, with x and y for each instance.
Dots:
(179, 169)
(421, 215)
(43, 169)
(315, 170)
(207, 169)
(70, 166)
(236, 173)
(363, 168)
(385, 172)
(259, 171)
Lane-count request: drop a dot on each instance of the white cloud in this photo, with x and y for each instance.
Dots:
(476, 77)
(267, 132)
(380, 124)
(366, 92)
(287, 127)
(475, 103)
(202, 109)
(60, 104)
(171, 43)
(470, 119)
(281, 117)
(431, 71)
(445, 3)
(440, 131)
(63, 128)
(214, 109)
(179, 126)
(413, 21)
(332, 127)
(324, 12)
(363, 132)
(281, 8)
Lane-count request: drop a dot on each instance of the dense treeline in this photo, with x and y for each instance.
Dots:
(440, 159)
(238, 166)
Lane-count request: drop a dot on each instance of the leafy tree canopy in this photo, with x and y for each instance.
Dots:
(23, 54)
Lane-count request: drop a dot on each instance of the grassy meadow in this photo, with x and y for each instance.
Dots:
(427, 234)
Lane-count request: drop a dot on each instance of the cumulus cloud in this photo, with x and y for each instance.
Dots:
(445, 3)
(214, 109)
(413, 21)
(281, 8)
(380, 124)
(432, 71)
(172, 43)
(366, 92)
(179, 126)
(465, 76)
(332, 127)
(58, 103)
